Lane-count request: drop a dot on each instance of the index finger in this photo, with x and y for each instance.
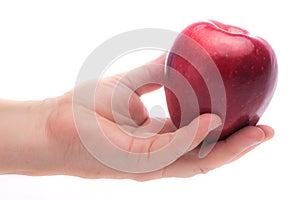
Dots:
(139, 154)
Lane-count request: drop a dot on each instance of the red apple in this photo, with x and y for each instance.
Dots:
(231, 73)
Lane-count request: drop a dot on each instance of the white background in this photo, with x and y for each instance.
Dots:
(43, 45)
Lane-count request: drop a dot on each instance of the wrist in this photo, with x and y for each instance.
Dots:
(24, 146)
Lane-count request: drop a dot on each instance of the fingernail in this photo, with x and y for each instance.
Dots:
(268, 131)
(214, 123)
(259, 138)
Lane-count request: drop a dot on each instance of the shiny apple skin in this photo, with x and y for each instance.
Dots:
(247, 65)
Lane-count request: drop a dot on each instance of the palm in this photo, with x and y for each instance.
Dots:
(111, 108)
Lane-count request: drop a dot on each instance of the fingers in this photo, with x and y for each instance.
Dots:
(226, 150)
(223, 153)
(269, 133)
(147, 151)
(148, 141)
(198, 129)
(206, 123)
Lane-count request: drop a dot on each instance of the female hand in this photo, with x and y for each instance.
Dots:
(101, 129)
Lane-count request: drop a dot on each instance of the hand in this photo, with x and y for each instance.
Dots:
(122, 117)
(65, 135)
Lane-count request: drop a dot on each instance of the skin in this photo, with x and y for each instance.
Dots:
(40, 137)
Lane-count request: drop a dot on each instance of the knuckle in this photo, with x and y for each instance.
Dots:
(201, 170)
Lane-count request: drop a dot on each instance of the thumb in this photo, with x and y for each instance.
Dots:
(146, 78)
(118, 97)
